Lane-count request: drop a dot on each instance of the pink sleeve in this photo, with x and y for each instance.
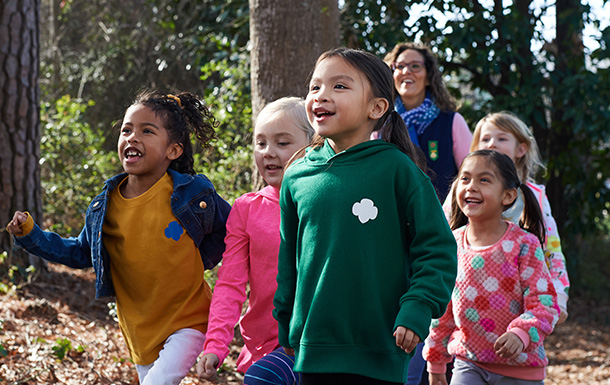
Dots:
(540, 312)
(435, 347)
(230, 289)
(462, 137)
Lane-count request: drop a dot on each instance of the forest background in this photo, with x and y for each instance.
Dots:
(546, 61)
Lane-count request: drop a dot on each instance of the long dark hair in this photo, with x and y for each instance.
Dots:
(391, 126)
(183, 115)
(531, 220)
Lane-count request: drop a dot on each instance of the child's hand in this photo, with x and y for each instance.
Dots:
(14, 226)
(289, 351)
(437, 379)
(206, 367)
(563, 316)
(406, 339)
(509, 346)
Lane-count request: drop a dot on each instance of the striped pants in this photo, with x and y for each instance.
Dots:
(274, 368)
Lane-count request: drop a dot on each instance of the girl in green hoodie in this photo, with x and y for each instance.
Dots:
(366, 258)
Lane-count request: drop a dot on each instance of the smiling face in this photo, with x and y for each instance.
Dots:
(340, 105)
(411, 86)
(494, 138)
(144, 147)
(480, 191)
(275, 142)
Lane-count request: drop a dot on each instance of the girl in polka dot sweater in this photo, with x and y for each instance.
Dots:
(504, 303)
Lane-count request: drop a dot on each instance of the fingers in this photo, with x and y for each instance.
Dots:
(563, 316)
(14, 226)
(508, 346)
(289, 351)
(206, 367)
(406, 339)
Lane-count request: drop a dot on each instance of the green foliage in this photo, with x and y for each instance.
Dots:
(73, 164)
(13, 276)
(495, 58)
(229, 163)
(61, 348)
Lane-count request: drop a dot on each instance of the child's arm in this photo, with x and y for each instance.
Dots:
(540, 310)
(72, 252)
(283, 300)
(435, 347)
(432, 258)
(555, 258)
(230, 289)
(212, 246)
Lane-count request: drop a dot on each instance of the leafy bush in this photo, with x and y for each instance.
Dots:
(73, 164)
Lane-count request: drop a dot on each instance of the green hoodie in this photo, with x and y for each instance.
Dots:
(365, 248)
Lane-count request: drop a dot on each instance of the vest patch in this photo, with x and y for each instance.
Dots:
(433, 149)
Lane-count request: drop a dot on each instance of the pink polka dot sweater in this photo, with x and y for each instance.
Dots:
(500, 288)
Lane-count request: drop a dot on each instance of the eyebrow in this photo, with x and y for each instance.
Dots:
(143, 124)
(336, 78)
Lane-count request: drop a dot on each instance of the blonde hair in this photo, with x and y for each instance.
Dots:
(293, 107)
(530, 162)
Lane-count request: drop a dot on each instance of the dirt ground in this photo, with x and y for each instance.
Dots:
(58, 315)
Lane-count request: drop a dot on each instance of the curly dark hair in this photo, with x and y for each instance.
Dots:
(436, 85)
(183, 114)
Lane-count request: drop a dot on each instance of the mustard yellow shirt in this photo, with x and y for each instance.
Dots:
(156, 269)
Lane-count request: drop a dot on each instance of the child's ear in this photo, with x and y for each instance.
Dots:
(379, 107)
(509, 196)
(174, 151)
(521, 150)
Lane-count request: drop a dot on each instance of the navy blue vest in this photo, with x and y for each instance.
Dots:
(437, 144)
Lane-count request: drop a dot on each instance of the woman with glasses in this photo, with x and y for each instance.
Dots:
(429, 112)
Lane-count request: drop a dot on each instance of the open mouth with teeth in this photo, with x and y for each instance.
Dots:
(321, 113)
(131, 154)
(473, 201)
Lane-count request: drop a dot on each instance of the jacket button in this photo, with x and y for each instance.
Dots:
(203, 205)
(96, 204)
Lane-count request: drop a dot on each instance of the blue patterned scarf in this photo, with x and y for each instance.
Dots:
(419, 118)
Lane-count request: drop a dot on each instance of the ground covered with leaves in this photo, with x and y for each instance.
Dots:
(53, 331)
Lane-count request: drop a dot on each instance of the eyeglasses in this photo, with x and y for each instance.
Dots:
(414, 66)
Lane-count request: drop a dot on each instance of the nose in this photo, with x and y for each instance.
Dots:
(269, 152)
(132, 137)
(471, 186)
(491, 144)
(321, 96)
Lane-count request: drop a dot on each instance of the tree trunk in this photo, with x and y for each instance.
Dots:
(569, 61)
(19, 114)
(287, 37)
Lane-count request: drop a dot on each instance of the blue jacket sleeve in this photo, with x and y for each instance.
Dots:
(72, 252)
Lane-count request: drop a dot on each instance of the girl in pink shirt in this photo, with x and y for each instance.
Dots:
(252, 244)
(504, 303)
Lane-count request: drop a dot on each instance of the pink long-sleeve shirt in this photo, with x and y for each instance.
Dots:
(252, 244)
(499, 288)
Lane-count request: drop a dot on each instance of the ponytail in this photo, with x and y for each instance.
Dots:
(184, 115)
(458, 218)
(394, 131)
(532, 220)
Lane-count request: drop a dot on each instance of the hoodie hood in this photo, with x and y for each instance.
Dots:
(325, 155)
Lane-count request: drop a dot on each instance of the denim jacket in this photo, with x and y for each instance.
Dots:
(200, 210)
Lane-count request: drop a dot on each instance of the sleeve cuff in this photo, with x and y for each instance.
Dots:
(436, 367)
(27, 227)
(523, 335)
